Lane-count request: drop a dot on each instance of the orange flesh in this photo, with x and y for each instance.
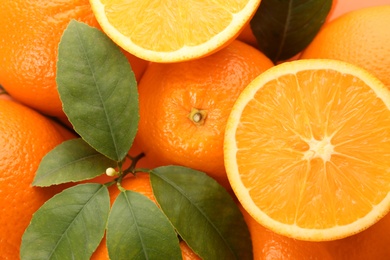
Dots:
(326, 152)
(190, 22)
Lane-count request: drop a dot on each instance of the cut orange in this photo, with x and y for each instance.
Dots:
(307, 149)
(170, 31)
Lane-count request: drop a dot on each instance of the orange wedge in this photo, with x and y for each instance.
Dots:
(170, 31)
(307, 149)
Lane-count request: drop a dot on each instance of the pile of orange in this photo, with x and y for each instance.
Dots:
(303, 145)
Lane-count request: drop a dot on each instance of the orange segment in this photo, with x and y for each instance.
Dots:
(307, 149)
(166, 31)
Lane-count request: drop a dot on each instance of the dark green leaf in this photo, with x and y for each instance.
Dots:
(98, 90)
(137, 229)
(68, 226)
(73, 160)
(203, 213)
(283, 28)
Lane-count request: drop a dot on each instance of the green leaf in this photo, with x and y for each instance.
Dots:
(283, 28)
(98, 90)
(137, 229)
(68, 226)
(203, 213)
(73, 160)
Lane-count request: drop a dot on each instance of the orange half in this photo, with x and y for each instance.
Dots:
(170, 31)
(307, 149)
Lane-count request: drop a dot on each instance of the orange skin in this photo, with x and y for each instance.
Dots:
(247, 36)
(372, 243)
(359, 37)
(30, 33)
(64, 131)
(187, 252)
(341, 7)
(269, 245)
(171, 95)
(23, 147)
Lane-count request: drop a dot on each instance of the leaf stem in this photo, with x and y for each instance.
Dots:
(131, 169)
(134, 161)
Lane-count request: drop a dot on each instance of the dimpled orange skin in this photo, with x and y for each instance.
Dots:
(25, 137)
(30, 33)
(360, 37)
(169, 92)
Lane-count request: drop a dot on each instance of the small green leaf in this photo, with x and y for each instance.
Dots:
(73, 160)
(203, 213)
(137, 229)
(68, 226)
(98, 90)
(283, 28)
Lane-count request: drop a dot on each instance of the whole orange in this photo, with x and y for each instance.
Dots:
(25, 137)
(30, 33)
(184, 107)
(269, 245)
(138, 183)
(360, 37)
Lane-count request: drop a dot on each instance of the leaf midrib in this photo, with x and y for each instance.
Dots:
(93, 73)
(201, 211)
(76, 217)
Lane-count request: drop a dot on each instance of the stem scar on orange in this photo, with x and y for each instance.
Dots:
(307, 149)
(184, 107)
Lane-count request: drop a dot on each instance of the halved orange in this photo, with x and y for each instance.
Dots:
(307, 149)
(170, 31)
